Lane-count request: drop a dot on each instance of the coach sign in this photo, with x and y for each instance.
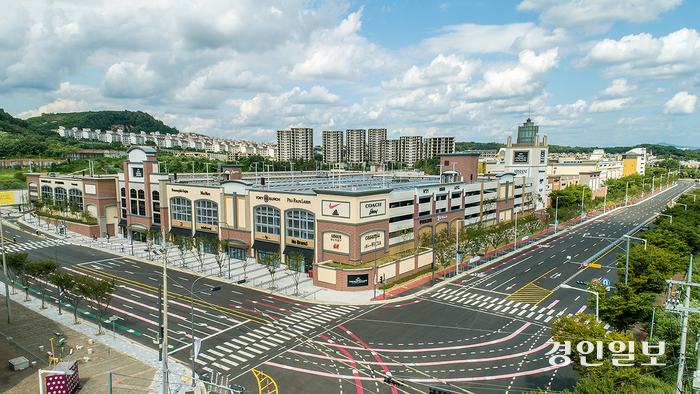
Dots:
(358, 280)
(372, 208)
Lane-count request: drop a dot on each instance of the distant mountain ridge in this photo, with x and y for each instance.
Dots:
(131, 121)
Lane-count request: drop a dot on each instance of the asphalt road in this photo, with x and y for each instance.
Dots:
(486, 332)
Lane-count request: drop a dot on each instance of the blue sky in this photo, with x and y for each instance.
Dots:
(591, 72)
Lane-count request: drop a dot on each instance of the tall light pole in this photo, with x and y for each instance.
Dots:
(457, 254)
(583, 190)
(556, 214)
(192, 293)
(626, 190)
(565, 286)
(663, 214)
(627, 259)
(4, 272)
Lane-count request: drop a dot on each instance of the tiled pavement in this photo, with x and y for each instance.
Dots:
(31, 330)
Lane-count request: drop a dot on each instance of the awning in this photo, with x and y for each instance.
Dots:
(266, 246)
(155, 227)
(122, 223)
(308, 253)
(206, 235)
(237, 243)
(182, 232)
(137, 226)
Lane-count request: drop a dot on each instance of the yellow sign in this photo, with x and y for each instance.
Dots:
(594, 265)
(7, 198)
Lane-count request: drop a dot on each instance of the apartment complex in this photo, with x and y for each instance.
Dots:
(411, 148)
(229, 148)
(332, 146)
(296, 143)
(355, 148)
(391, 150)
(436, 146)
(375, 137)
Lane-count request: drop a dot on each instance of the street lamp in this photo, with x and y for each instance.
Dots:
(688, 194)
(684, 205)
(583, 189)
(556, 213)
(663, 214)
(457, 254)
(565, 286)
(643, 179)
(626, 189)
(192, 293)
(4, 272)
(627, 259)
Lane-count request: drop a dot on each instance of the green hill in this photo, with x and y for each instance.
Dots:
(131, 121)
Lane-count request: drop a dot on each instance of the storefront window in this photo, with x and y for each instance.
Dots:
(181, 209)
(236, 253)
(261, 257)
(207, 212)
(75, 196)
(300, 224)
(61, 198)
(267, 220)
(47, 194)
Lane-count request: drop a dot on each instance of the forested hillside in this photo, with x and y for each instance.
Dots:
(131, 121)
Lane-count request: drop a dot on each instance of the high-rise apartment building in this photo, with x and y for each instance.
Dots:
(375, 137)
(297, 143)
(391, 150)
(435, 146)
(332, 146)
(355, 140)
(411, 148)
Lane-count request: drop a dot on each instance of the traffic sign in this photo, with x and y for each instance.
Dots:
(594, 265)
(595, 280)
(584, 264)
(605, 281)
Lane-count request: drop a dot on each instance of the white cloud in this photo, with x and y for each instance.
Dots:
(512, 38)
(60, 105)
(128, 80)
(520, 80)
(644, 56)
(618, 88)
(596, 16)
(681, 104)
(611, 105)
(339, 53)
(571, 110)
(442, 70)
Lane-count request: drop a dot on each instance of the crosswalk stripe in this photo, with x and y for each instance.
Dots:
(245, 354)
(204, 355)
(225, 368)
(241, 359)
(252, 349)
(235, 364)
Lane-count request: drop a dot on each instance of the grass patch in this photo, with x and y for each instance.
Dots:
(67, 219)
(380, 261)
(407, 279)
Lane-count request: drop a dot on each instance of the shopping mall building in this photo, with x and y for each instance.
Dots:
(349, 220)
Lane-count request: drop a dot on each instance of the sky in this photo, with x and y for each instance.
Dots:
(588, 72)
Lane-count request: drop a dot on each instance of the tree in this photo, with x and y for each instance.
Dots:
(444, 256)
(198, 245)
(624, 308)
(15, 267)
(73, 287)
(150, 240)
(271, 261)
(220, 248)
(295, 266)
(99, 293)
(41, 271)
(497, 235)
(406, 235)
(183, 245)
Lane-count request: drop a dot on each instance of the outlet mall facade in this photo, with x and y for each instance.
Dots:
(350, 220)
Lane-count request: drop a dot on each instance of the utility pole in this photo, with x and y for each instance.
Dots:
(166, 385)
(684, 311)
(4, 271)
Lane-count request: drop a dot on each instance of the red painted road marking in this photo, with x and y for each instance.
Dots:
(396, 306)
(386, 370)
(356, 375)
(552, 304)
(288, 302)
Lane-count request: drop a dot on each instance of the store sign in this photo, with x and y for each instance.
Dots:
(207, 227)
(185, 191)
(267, 237)
(336, 242)
(182, 224)
(372, 208)
(267, 198)
(305, 243)
(522, 171)
(358, 280)
(521, 156)
(336, 209)
(542, 157)
(372, 241)
(137, 172)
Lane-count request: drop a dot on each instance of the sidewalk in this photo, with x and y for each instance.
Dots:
(135, 369)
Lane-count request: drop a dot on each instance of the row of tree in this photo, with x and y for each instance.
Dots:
(630, 307)
(73, 287)
(477, 239)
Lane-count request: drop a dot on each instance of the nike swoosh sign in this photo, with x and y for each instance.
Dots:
(331, 206)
